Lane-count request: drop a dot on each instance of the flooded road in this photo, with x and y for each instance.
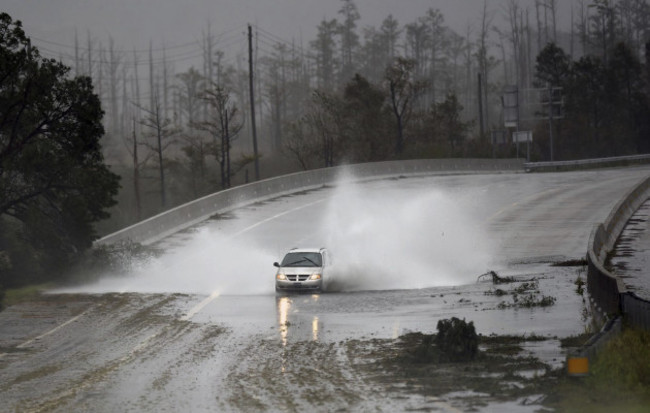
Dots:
(201, 329)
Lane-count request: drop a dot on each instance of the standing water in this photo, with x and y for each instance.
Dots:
(390, 234)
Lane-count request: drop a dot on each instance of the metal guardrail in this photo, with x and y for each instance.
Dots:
(184, 216)
(557, 166)
(607, 290)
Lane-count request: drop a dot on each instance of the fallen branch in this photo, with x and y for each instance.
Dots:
(496, 279)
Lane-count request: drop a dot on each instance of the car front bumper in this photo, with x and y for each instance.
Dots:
(285, 285)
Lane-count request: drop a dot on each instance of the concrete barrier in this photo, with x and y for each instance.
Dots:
(636, 310)
(578, 363)
(184, 216)
(559, 166)
(607, 291)
(604, 287)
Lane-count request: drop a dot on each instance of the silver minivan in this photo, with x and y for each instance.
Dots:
(302, 269)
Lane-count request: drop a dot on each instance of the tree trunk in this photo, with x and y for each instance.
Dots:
(136, 177)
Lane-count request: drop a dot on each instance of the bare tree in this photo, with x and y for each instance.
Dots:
(484, 63)
(538, 6)
(132, 146)
(77, 64)
(551, 5)
(349, 37)
(300, 144)
(583, 26)
(402, 93)
(163, 133)
(207, 46)
(89, 54)
(277, 90)
(437, 42)
(417, 39)
(190, 88)
(224, 124)
(114, 65)
(390, 32)
(603, 26)
(326, 119)
(324, 48)
(196, 149)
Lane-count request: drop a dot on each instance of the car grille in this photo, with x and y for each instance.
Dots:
(299, 277)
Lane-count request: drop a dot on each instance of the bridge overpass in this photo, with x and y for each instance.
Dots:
(200, 327)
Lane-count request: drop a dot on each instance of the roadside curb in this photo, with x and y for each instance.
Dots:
(578, 362)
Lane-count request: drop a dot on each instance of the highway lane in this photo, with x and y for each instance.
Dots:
(201, 328)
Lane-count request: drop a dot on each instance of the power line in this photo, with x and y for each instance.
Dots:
(142, 60)
(278, 40)
(178, 46)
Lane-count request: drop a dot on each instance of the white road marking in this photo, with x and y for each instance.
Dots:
(196, 308)
(200, 306)
(521, 201)
(264, 221)
(47, 333)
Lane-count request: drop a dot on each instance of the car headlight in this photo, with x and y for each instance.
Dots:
(281, 277)
(314, 277)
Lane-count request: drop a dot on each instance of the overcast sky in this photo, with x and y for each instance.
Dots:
(132, 23)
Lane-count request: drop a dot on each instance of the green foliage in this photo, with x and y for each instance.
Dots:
(527, 295)
(365, 112)
(425, 350)
(623, 363)
(619, 379)
(580, 285)
(446, 126)
(13, 296)
(374, 122)
(457, 340)
(553, 66)
(53, 181)
(605, 102)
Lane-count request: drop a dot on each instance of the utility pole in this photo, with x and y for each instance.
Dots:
(136, 176)
(550, 118)
(252, 97)
(480, 105)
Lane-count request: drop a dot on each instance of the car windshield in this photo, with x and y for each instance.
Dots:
(302, 259)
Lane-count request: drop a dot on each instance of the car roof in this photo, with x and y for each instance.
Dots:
(306, 249)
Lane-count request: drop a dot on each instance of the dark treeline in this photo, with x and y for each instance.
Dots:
(177, 119)
(353, 94)
(54, 183)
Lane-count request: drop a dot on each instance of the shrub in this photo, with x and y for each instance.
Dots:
(457, 340)
(624, 362)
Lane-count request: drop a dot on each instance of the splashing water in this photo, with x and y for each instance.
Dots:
(209, 262)
(382, 235)
(402, 238)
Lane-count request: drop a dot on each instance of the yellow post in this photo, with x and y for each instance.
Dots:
(577, 366)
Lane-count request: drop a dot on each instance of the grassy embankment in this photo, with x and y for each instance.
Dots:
(619, 379)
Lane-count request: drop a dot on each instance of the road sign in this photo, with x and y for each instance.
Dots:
(510, 101)
(522, 136)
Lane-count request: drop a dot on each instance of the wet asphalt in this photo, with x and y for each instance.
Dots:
(220, 343)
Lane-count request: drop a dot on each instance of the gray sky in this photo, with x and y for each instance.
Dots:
(133, 23)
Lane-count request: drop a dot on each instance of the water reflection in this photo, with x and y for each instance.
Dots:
(297, 322)
(284, 304)
(314, 329)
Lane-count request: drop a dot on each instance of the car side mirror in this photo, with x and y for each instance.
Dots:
(275, 264)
